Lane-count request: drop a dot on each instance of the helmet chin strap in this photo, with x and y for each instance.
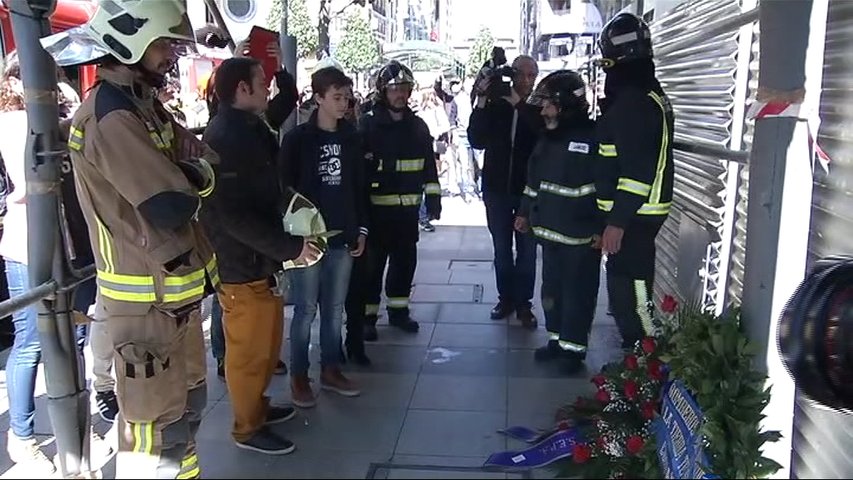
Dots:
(149, 77)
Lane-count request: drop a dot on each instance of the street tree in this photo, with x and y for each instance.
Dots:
(359, 48)
(480, 52)
(298, 24)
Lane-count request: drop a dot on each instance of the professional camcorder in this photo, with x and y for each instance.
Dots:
(815, 334)
(499, 73)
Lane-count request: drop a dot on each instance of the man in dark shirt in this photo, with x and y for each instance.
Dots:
(506, 128)
(322, 159)
(243, 220)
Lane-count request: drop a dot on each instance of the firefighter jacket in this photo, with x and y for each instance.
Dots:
(402, 169)
(243, 216)
(635, 174)
(559, 199)
(139, 203)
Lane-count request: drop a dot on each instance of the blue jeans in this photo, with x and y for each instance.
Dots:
(515, 277)
(22, 365)
(325, 283)
(217, 335)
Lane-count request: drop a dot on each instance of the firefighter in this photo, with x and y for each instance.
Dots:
(559, 206)
(402, 171)
(635, 179)
(140, 177)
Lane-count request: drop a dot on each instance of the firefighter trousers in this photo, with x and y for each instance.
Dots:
(160, 383)
(630, 281)
(570, 279)
(356, 301)
(401, 258)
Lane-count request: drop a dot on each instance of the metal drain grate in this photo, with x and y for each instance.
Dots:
(443, 293)
(386, 470)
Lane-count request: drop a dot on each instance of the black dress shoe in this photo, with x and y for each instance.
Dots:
(526, 317)
(405, 324)
(370, 333)
(501, 311)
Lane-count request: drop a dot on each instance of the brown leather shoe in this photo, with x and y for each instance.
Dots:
(301, 393)
(333, 380)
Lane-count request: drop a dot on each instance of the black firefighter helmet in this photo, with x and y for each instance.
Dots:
(563, 88)
(626, 37)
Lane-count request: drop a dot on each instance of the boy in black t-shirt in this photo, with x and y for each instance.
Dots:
(321, 159)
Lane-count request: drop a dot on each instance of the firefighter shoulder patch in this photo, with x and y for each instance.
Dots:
(579, 147)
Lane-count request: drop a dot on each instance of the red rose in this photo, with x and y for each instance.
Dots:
(648, 410)
(655, 368)
(631, 389)
(648, 345)
(634, 444)
(631, 362)
(598, 380)
(581, 453)
(668, 304)
(602, 396)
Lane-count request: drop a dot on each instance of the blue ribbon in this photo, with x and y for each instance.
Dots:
(554, 447)
(524, 434)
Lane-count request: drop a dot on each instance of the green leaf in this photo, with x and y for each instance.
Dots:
(359, 49)
(480, 52)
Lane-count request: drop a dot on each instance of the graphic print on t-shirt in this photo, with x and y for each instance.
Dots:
(329, 167)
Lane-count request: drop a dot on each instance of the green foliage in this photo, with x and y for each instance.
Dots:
(359, 48)
(480, 52)
(299, 25)
(714, 359)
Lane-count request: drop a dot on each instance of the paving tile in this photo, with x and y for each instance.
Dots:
(346, 426)
(304, 463)
(451, 392)
(465, 361)
(392, 359)
(466, 313)
(220, 458)
(520, 363)
(473, 277)
(433, 293)
(378, 390)
(523, 338)
(425, 312)
(545, 395)
(469, 336)
(389, 335)
(430, 432)
(433, 276)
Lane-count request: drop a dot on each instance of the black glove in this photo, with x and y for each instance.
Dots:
(211, 36)
(433, 207)
(197, 171)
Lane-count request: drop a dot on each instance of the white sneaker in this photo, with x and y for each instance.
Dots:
(28, 457)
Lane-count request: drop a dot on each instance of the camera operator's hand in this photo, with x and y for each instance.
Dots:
(513, 98)
(482, 86)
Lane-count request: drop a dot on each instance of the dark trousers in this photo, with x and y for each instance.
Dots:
(515, 275)
(401, 257)
(570, 278)
(630, 281)
(356, 301)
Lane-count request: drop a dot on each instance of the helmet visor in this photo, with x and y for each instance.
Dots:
(73, 47)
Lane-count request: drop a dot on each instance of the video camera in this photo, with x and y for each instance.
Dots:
(499, 73)
(815, 334)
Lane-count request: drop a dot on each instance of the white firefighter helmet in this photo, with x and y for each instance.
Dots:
(303, 219)
(123, 29)
(327, 62)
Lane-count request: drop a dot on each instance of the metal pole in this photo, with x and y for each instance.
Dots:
(288, 52)
(780, 193)
(67, 398)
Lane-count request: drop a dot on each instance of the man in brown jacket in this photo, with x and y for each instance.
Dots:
(139, 178)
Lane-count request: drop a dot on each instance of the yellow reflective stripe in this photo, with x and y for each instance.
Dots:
(641, 296)
(634, 186)
(178, 289)
(143, 437)
(574, 192)
(189, 461)
(432, 189)
(182, 295)
(105, 246)
(371, 309)
(374, 185)
(75, 138)
(410, 165)
(398, 302)
(211, 184)
(572, 347)
(558, 237)
(123, 296)
(607, 150)
(167, 134)
(130, 280)
(530, 192)
(553, 336)
(395, 200)
(172, 281)
(645, 209)
(158, 141)
(213, 271)
(657, 186)
(192, 473)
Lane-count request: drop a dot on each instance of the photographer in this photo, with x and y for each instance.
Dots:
(506, 127)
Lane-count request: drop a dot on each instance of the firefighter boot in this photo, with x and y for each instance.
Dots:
(402, 321)
(550, 351)
(572, 363)
(370, 333)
